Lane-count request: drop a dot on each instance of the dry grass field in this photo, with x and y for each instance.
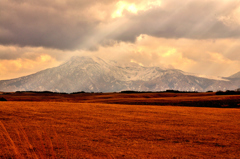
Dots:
(118, 126)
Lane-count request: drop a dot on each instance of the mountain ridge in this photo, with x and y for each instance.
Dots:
(236, 75)
(93, 74)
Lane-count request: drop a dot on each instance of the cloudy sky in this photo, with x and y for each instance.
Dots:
(198, 36)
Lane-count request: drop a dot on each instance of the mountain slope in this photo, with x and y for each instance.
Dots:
(236, 76)
(94, 74)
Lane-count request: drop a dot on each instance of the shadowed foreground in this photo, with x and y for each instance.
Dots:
(85, 130)
(154, 98)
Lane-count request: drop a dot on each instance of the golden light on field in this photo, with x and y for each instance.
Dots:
(199, 37)
(94, 126)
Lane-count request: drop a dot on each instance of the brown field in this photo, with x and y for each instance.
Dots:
(115, 125)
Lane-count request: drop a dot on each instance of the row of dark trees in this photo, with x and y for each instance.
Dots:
(228, 92)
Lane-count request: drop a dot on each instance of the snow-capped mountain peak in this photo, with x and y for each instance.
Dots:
(95, 74)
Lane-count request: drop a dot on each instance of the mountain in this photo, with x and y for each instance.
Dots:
(235, 76)
(92, 74)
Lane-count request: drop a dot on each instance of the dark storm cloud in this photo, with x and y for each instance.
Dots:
(13, 52)
(56, 24)
(74, 24)
(9, 55)
(183, 19)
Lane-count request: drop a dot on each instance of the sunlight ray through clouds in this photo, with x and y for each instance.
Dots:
(195, 36)
(134, 7)
(232, 19)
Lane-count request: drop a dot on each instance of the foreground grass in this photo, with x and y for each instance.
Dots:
(85, 130)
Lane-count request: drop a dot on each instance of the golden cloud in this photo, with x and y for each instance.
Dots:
(21, 66)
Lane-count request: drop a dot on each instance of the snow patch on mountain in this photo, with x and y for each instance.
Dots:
(205, 76)
(95, 74)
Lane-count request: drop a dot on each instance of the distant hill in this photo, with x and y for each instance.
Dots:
(92, 74)
(236, 75)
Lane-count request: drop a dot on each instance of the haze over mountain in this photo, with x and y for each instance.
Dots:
(201, 37)
(93, 74)
(235, 76)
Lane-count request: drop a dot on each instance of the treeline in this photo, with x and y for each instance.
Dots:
(169, 91)
(228, 92)
(83, 92)
(47, 92)
(50, 92)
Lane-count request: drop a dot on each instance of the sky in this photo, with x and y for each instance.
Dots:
(197, 36)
